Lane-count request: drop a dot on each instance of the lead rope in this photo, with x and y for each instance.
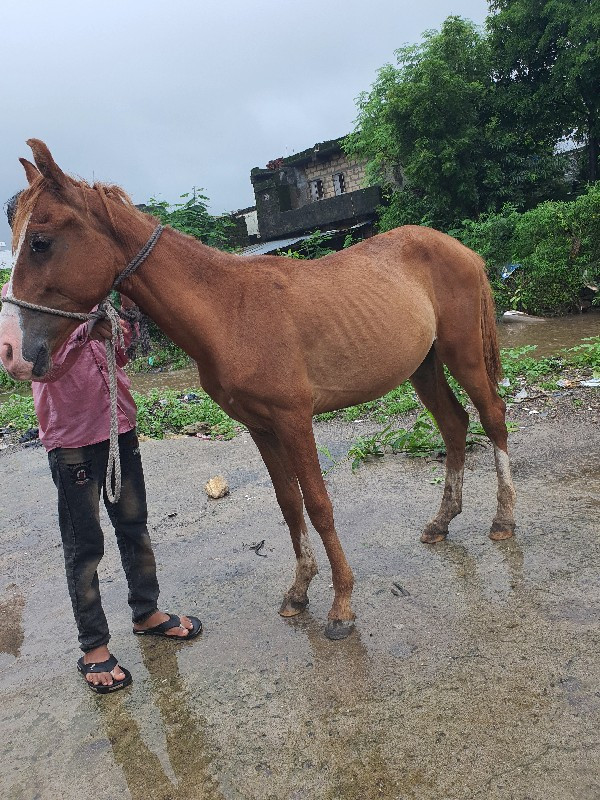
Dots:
(106, 310)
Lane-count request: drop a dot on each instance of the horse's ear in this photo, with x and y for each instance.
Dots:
(46, 164)
(31, 171)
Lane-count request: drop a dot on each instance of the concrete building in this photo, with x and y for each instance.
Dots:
(317, 189)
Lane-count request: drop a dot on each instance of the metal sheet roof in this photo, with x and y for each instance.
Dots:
(279, 244)
(268, 247)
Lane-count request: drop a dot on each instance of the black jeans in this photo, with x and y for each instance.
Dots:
(79, 475)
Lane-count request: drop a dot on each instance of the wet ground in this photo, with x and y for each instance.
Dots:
(481, 680)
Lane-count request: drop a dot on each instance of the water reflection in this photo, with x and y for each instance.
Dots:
(187, 747)
(342, 712)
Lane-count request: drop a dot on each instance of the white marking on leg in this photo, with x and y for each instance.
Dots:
(506, 489)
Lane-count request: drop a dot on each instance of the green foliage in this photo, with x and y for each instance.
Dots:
(586, 354)
(7, 383)
(4, 278)
(435, 132)
(557, 245)
(315, 246)
(191, 216)
(516, 363)
(167, 356)
(421, 439)
(546, 56)
(164, 411)
(17, 412)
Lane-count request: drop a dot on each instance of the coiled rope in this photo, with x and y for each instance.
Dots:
(106, 310)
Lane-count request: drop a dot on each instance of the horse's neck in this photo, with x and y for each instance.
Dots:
(185, 287)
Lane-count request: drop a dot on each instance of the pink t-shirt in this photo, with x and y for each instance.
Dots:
(72, 401)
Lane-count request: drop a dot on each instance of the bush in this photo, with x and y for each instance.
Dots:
(557, 247)
(165, 411)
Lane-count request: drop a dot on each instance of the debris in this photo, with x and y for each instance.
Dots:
(593, 383)
(29, 435)
(564, 383)
(504, 382)
(399, 591)
(507, 270)
(520, 396)
(520, 316)
(217, 487)
(257, 547)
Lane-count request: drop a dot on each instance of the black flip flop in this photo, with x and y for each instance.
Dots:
(172, 622)
(104, 666)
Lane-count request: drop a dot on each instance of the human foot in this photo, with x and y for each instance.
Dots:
(102, 672)
(161, 624)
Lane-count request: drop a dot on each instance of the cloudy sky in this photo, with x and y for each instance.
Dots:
(163, 96)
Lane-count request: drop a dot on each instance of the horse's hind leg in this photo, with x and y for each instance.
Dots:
(468, 367)
(289, 498)
(432, 387)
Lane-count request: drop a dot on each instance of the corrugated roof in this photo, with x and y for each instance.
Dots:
(279, 244)
(262, 248)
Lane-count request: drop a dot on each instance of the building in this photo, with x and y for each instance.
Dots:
(317, 189)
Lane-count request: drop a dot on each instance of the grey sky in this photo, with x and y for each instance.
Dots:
(160, 97)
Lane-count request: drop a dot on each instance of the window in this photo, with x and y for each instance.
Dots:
(339, 185)
(316, 189)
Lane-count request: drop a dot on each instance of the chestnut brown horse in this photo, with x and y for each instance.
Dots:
(275, 342)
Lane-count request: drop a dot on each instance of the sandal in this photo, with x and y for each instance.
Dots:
(104, 666)
(172, 622)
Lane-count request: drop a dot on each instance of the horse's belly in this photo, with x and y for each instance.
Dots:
(357, 371)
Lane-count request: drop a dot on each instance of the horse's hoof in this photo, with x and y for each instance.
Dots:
(291, 608)
(502, 530)
(433, 534)
(338, 629)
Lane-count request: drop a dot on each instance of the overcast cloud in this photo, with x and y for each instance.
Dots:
(160, 97)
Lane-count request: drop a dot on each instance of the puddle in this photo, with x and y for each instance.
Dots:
(552, 334)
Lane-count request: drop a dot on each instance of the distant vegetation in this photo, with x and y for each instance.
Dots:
(469, 131)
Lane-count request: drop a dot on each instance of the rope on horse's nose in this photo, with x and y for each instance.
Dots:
(106, 311)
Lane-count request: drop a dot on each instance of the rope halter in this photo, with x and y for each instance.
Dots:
(105, 310)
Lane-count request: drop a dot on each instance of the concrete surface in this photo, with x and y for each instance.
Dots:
(482, 682)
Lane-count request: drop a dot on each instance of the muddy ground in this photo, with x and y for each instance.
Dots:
(483, 681)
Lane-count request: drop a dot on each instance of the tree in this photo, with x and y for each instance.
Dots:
(546, 54)
(191, 216)
(434, 127)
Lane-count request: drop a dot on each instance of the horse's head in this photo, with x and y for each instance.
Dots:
(67, 253)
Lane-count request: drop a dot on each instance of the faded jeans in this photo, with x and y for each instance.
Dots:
(79, 475)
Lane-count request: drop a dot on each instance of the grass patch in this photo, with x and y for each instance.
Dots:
(17, 413)
(166, 411)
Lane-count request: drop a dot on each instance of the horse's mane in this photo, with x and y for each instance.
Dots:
(109, 194)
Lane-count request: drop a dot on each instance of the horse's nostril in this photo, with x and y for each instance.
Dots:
(9, 352)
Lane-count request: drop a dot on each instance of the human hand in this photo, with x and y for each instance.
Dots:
(102, 329)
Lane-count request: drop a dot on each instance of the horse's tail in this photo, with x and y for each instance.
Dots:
(489, 335)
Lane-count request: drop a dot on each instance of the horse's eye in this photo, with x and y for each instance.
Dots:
(40, 244)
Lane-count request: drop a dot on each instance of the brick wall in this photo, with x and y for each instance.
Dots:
(353, 171)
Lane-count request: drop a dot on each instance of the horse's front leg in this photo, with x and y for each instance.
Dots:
(296, 434)
(289, 498)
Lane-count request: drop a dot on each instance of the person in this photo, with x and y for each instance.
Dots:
(72, 406)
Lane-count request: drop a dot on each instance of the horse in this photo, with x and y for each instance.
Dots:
(276, 342)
